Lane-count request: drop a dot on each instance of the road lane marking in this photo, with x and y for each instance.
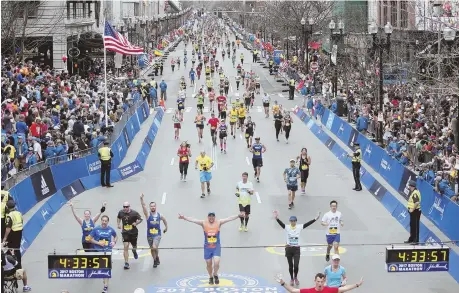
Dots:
(188, 109)
(172, 161)
(147, 263)
(194, 90)
(163, 200)
(241, 136)
(258, 197)
(247, 160)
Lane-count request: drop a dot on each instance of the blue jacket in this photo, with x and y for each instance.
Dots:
(61, 150)
(153, 93)
(334, 107)
(362, 123)
(50, 152)
(31, 159)
(163, 86)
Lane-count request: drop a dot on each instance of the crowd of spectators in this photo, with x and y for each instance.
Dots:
(48, 113)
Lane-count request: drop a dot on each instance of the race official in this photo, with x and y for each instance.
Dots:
(105, 157)
(414, 208)
(356, 164)
(5, 198)
(14, 224)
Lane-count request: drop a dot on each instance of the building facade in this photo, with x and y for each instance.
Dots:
(46, 31)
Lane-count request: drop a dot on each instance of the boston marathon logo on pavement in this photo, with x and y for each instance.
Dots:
(228, 283)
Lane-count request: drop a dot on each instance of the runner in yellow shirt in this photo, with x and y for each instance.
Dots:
(204, 163)
(241, 115)
(233, 120)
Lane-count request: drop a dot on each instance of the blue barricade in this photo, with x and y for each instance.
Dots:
(59, 188)
(439, 209)
(390, 169)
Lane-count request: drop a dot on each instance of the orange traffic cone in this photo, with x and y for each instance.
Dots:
(161, 104)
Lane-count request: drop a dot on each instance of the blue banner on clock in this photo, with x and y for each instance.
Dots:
(80, 274)
(418, 267)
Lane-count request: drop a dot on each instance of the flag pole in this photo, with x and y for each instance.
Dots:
(105, 82)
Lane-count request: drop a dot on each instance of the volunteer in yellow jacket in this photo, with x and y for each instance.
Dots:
(105, 157)
(204, 163)
(5, 198)
(414, 208)
(13, 232)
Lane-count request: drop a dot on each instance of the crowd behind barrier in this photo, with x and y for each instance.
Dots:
(57, 186)
(439, 209)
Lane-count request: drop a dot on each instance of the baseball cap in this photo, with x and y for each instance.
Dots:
(412, 183)
(293, 218)
(211, 214)
(335, 256)
(292, 160)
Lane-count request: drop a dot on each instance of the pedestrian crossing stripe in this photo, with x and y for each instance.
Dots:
(258, 109)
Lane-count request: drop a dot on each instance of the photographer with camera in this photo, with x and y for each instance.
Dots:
(205, 164)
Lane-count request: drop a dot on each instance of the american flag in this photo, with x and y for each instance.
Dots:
(114, 41)
(148, 59)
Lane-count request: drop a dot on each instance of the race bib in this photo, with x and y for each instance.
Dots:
(213, 127)
(304, 167)
(184, 159)
(180, 105)
(257, 153)
(287, 124)
(246, 135)
(212, 239)
(127, 227)
(87, 238)
(292, 179)
(333, 230)
(103, 242)
(153, 231)
(293, 241)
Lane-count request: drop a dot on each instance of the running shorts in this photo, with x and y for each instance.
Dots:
(205, 176)
(131, 238)
(154, 241)
(210, 253)
(257, 162)
(292, 187)
(333, 238)
(245, 209)
(292, 251)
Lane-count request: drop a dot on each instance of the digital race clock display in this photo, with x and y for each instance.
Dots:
(417, 259)
(79, 266)
(417, 255)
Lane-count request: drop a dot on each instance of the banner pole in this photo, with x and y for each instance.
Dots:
(105, 83)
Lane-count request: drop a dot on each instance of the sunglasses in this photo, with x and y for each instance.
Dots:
(125, 207)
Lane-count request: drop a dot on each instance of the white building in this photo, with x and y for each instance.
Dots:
(52, 28)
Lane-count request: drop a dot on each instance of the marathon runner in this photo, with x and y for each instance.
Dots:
(244, 192)
(333, 221)
(199, 121)
(291, 176)
(304, 161)
(87, 224)
(205, 164)
(266, 100)
(177, 118)
(293, 244)
(213, 122)
(335, 274)
(128, 220)
(233, 120)
(212, 246)
(257, 150)
(184, 154)
(103, 238)
(223, 134)
(249, 131)
(153, 228)
(319, 286)
(287, 125)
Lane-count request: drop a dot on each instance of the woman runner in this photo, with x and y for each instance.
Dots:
(304, 161)
(87, 225)
(266, 99)
(287, 125)
(184, 154)
(223, 134)
(199, 121)
(177, 119)
(277, 121)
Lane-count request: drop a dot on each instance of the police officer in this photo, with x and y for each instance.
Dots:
(14, 224)
(105, 157)
(414, 208)
(356, 159)
(5, 198)
(291, 89)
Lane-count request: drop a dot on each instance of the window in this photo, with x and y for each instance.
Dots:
(385, 13)
(404, 14)
(136, 9)
(393, 13)
(32, 9)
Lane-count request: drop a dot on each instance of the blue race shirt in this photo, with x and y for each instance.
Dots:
(86, 228)
(257, 148)
(180, 102)
(334, 278)
(104, 235)
(291, 174)
(154, 225)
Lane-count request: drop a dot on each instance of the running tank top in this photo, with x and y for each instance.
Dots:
(183, 155)
(211, 235)
(304, 163)
(86, 228)
(154, 225)
(257, 148)
(223, 128)
(249, 127)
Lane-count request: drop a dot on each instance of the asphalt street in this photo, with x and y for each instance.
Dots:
(365, 219)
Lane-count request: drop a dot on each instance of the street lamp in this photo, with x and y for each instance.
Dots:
(449, 34)
(335, 37)
(306, 33)
(381, 44)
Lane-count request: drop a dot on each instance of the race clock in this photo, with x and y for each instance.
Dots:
(417, 258)
(79, 266)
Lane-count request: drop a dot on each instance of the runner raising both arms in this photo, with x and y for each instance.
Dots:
(212, 246)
